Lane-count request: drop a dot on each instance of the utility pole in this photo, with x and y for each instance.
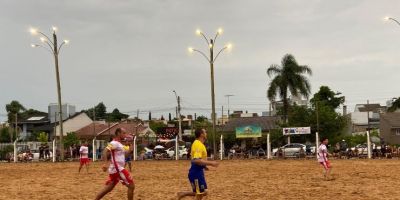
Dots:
(222, 118)
(229, 95)
(137, 114)
(178, 114)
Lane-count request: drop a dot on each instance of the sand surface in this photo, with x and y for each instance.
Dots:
(237, 179)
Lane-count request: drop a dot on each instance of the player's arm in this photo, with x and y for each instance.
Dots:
(204, 162)
(105, 155)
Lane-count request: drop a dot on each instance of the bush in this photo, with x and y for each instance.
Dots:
(5, 151)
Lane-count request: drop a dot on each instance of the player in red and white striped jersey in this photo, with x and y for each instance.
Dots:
(323, 157)
(115, 166)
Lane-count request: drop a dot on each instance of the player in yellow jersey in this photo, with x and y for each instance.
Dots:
(199, 163)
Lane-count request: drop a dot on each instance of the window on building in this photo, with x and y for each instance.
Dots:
(397, 131)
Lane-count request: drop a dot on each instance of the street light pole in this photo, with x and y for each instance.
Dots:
(211, 59)
(54, 48)
(393, 19)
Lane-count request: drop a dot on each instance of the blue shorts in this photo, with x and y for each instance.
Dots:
(197, 181)
(129, 159)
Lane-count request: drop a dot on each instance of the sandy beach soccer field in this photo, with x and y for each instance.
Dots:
(234, 179)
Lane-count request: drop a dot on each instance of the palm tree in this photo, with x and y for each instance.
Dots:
(288, 78)
(395, 105)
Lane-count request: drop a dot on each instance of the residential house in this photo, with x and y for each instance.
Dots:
(390, 127)
(30, 124)
(364, 116)
(275, 106)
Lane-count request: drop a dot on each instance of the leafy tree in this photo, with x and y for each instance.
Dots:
(14, 107)
(327, 97)
(395, 105)
(100, 110)
(115, 116)
(42, 137)
(70, 139)
(32, 112)
(155, 126)
(33, 136)
(331, 123)
(288, 78)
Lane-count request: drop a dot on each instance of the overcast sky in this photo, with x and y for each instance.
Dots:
(132, 54)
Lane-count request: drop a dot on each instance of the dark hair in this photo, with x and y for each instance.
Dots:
(118, 131)
(323, 139)
(198, 132)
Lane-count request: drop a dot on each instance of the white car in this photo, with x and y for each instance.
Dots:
(182, 152)
(292, 150)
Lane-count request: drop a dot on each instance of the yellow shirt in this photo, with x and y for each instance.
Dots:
(198, 150)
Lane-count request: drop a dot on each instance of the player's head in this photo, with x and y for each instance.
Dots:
(200, 133)
(324, 141)
(120, 133)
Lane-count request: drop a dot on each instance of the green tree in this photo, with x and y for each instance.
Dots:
(156, 126)
(70, 139)
(395, 105)
(327, 97)
(288, 78)
(32, 112)
(116, 116)
(331, 123)
(14, 107)
(100, 110)
(33, 136)
(42, 137)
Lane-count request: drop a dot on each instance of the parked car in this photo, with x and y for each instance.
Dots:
(148, 153)
(293, 149)
(182, 152)
(363, 150)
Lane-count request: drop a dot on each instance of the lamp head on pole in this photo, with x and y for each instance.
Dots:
(198, 32)
(66, 41)
(220, 31)
(229, 46)
(386, 18)
(54, 28)
(33, 31)
(190, 49)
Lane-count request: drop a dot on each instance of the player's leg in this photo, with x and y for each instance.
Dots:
(201, 187)
(130, 166)
(108, 188)
(131, 191)
(185, 194)
(127, 180)
(328, 170)
(87, 166)
(191, 178)
(80, 165)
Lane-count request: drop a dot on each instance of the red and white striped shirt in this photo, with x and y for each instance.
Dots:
(322, 153)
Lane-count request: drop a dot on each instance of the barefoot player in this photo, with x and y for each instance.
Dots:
(115, 166)
(84, 159)
(199, 163)
(323, 158)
